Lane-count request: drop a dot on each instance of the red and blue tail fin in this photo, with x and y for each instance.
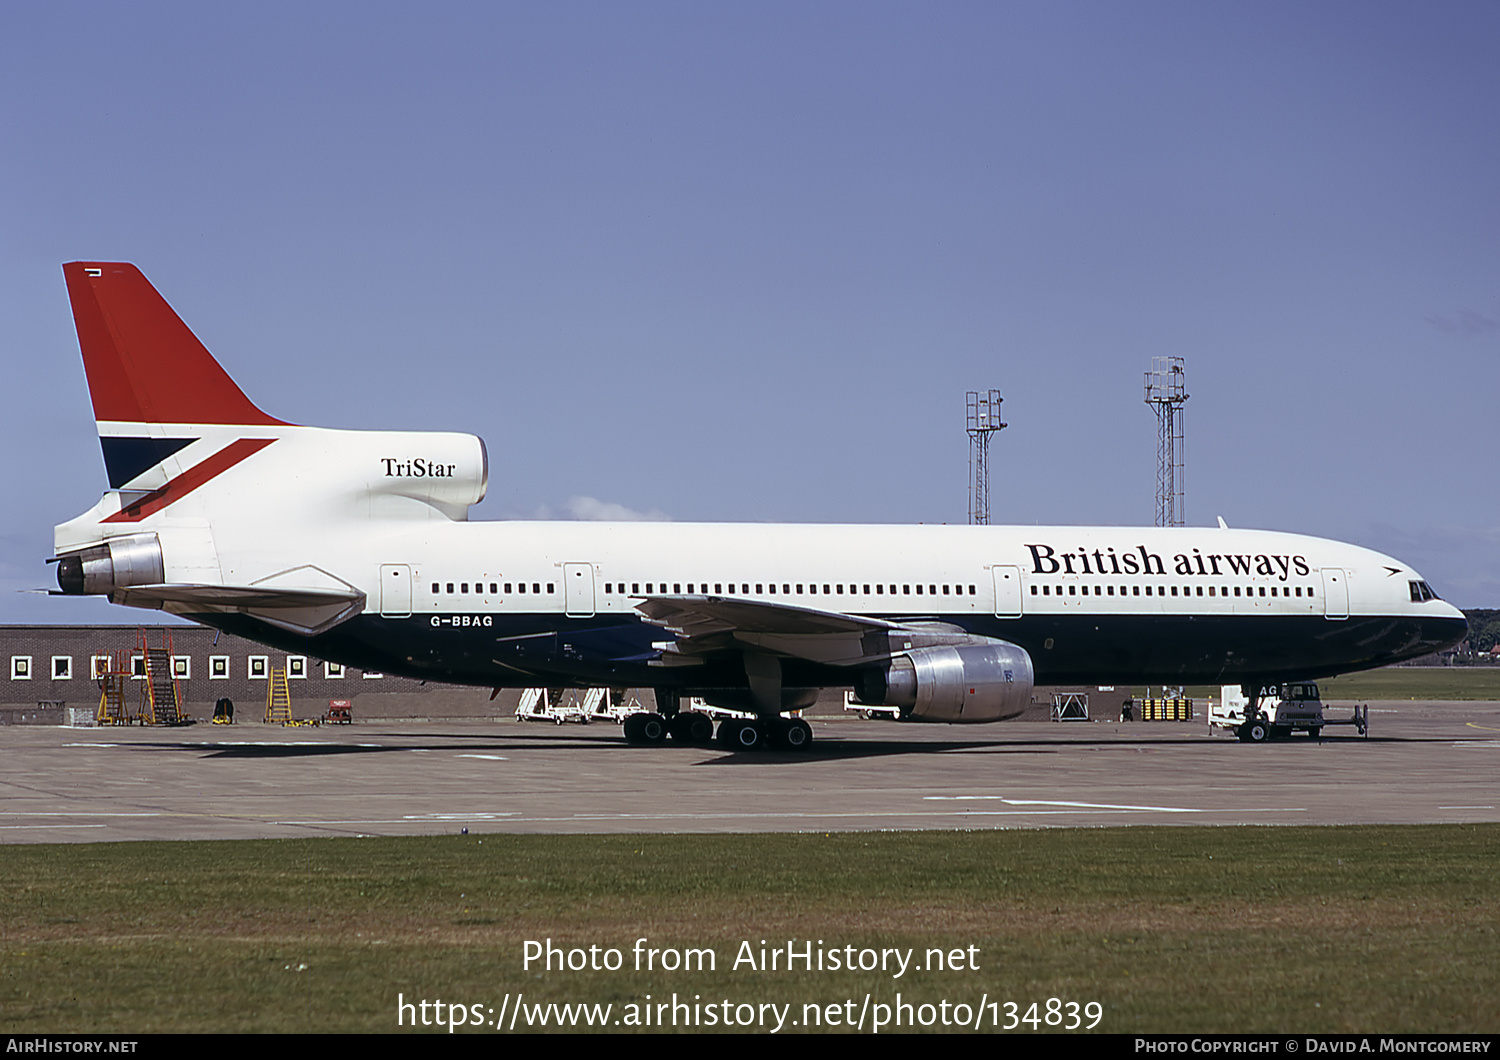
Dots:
(144, 365)
(146, 369)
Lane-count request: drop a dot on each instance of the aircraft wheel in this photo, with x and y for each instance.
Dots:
(691, 727)
(654, 729)
(645, 729)
(796, 735)
(738, 735)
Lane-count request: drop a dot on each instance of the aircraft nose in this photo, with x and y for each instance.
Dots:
(1447, 627)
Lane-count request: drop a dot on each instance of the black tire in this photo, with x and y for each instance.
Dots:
(654, 729)
(796, 735)
(1257, 732)
(698, 728)
(1316, 732)
(645, 729)
(736, 734)
(751, 736)
(691, 727)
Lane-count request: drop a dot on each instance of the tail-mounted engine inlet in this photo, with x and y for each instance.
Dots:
(117, 564)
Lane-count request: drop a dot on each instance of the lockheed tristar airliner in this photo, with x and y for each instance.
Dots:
(355, 547)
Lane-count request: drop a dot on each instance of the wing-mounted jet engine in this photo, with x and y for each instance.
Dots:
(966, 683)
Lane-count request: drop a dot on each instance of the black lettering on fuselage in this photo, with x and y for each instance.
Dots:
(1047, 560)
(417, 467)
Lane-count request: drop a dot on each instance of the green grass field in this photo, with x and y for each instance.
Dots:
(1417, 682)
(1446, 683)
(1168, 929)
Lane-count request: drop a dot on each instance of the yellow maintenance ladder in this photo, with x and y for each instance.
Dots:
(112, 670)
(278, 698)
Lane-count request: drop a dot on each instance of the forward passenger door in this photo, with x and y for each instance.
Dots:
(1007, 591)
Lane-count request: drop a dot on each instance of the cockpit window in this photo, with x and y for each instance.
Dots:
(1421, 592)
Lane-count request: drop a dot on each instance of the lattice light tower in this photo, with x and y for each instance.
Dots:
(983, 419)
(1166, 395)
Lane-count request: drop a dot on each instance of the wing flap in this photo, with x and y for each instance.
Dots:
(708, 625)
(699, 615)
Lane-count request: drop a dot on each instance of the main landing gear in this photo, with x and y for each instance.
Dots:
(735, 734)
(782, 734)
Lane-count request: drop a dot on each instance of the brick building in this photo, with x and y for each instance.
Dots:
(49, 667)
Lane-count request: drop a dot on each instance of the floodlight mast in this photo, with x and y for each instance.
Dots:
(983, 421)
(1166, 394)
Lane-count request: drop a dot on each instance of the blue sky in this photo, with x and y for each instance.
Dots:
(742, 261)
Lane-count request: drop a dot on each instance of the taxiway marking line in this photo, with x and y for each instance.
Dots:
(1058, 802)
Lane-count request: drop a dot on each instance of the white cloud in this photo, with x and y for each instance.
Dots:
(592, 509)
(1468, 323)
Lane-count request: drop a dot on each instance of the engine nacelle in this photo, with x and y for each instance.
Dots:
(117, 564)
(967, 683)
(448, 471)
(382, 472)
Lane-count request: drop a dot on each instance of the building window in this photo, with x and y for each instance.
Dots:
(218, 667)
(296, 667)
(98, 666)
(182, 667)
(258, 665)
(137, 667)
(333, 670)
(20, 667)
(62, 667)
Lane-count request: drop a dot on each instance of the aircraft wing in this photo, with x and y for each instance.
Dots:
(706, 625)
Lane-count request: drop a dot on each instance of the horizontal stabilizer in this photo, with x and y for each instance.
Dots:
(233, 596)
(306, 611)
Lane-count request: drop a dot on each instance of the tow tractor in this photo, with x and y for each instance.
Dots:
(1277, 711)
